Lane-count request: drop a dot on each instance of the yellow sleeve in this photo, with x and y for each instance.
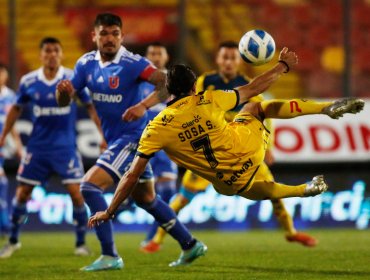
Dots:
(258, 98)
(225, 99)
(150, 142)
(268, 124)
(199, 86)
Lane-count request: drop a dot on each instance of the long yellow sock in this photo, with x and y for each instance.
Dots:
(286, 109)
(176, 204)
(261, 190)
(283, 217)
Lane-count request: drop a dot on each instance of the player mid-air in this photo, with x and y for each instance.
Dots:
(227, 154)
(51, 147)
(113, 75)
(227, 76)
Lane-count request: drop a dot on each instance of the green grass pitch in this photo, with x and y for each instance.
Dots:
(341, 254)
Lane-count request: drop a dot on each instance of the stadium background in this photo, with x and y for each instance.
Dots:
(332, 41)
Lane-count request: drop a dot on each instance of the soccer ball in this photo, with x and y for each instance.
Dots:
(257, 47)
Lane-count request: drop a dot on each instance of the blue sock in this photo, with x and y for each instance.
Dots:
(4, 211)
(94, 198)
(19, 216)
(167, 219)
(80, 221)
(166, 190)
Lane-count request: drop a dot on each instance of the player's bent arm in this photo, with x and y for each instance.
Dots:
(261, 83)
(127, 184)
(160, 94)
(13, 114)
(95, 118)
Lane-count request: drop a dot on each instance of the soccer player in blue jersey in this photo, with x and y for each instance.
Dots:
(113, 75)
(7, 98)
(165, 171)
(51, 147)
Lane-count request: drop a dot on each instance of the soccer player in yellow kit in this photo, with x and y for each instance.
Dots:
(193, 131)
(228, 61)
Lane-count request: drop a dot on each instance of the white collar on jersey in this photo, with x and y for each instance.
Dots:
(42, 78)
(115, 60)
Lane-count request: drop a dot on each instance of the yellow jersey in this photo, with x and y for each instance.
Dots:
(194, 133)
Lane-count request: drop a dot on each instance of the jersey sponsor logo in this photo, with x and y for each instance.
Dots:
(237, 174)
(203, 101)
(114, 82)
(51, 111)
(196, 119)
(166, 119)
(109, 98)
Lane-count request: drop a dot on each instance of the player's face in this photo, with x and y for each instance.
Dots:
(51, 55)
(3, 77)
(228, 61)
(108, 40)
(158, 56)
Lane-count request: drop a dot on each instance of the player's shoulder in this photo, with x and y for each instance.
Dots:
(130, 57)
(210, 76)
(87, 57)
(243, 78)
(67, 72)
(29, 78)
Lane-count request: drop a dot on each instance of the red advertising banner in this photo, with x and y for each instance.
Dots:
(319, 138)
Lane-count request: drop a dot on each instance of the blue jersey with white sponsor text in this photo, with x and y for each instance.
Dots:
(115, 87)
(53, 126)
(146, 89)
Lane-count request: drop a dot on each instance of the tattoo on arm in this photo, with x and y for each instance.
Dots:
(158, 78)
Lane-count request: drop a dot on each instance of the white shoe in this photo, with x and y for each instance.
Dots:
(82, 250)
(9, 249)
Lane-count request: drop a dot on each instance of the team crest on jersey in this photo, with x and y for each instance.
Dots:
(166, 119)
(203, 101)
(114, 82)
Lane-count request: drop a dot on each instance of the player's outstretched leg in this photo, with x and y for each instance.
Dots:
(109, 260)
(285, 109)
(167, 219)
(182, 199)
(261, 190)
(286, 222)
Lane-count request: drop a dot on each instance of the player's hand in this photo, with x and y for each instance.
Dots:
(134, 113)
(269, 158)
(288, 57)
(65, 92)
(98, 218)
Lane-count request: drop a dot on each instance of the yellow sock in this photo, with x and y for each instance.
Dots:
(261, 190)
(283, 217)
(176, 204)
(286, 109)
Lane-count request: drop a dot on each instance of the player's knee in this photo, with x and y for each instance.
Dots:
(23, 193)
(144, 193)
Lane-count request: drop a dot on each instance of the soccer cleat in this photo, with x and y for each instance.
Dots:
(9, 249)
(104, 263)
(150, 247)
(82, 250)
(316, 186)
(340, 107)
(188, 256)
(303, 238)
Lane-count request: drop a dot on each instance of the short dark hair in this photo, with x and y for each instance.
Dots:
(107, 19)
(49, 40)
(228, 44)
(180, 79)
(156, 44)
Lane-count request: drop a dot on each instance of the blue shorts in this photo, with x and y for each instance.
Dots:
(163, 166)
(117, 159)
(36, 167)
